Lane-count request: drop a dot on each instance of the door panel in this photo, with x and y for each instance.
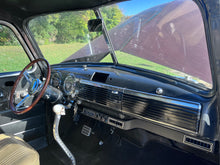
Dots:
(5, 88)
(3, 99)
(29, 126)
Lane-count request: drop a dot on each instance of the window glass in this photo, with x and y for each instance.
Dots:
(64, 37)
(13, 56)
(168, 38)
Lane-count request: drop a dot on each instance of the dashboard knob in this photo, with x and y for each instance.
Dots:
(159, 91)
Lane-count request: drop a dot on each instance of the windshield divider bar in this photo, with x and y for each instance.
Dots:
(106, 36)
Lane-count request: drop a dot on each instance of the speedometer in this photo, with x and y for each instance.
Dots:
(55, 80)
(69, 84)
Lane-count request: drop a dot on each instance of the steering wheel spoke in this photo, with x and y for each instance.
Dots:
(22, 102)
(28, 77)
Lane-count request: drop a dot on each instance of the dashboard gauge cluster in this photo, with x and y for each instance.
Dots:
(69, 84)
(64, 82)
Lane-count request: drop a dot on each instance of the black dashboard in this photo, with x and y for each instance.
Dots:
(127, 100)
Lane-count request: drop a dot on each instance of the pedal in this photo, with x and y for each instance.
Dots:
(86, 130)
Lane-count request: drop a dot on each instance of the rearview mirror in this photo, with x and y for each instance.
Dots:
(95, 25)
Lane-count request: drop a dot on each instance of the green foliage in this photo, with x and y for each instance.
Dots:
(112, 16)
(67, 27)
(7, 37)
(70, 27)
(43, 29)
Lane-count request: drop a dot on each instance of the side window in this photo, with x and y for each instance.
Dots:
(12, 55)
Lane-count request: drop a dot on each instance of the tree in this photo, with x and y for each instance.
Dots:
(7, 37)
(112, 16)
(70, 27)
(43, 29)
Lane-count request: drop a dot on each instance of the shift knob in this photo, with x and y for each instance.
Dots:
(59, 109)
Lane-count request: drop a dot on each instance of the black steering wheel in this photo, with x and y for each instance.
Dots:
(36, 88)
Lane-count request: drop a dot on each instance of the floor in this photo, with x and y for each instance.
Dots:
(114, 150)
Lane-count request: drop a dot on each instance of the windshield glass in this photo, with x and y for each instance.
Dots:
(164, 37)
(65, 37)
(168, 38)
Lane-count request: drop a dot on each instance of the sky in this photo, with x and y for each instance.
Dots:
(136, 6)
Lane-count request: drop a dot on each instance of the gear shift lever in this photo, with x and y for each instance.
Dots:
(59, 110)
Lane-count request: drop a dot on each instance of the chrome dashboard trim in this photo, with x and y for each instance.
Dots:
(165, 99)
(101, 85)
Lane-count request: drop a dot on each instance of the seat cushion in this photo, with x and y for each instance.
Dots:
(14, 151)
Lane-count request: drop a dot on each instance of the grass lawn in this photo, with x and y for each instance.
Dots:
(56, 53)
(128, 59)
(13, 58)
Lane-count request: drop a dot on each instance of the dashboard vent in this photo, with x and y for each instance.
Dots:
(103, 96)
(197, 143)
(115, 122)
(175, 115)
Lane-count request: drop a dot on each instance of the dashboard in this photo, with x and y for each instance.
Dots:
(128, 100)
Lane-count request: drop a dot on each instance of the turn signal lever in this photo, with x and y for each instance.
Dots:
(59, 110)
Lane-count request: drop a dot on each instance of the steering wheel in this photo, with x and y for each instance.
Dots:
(36, 88)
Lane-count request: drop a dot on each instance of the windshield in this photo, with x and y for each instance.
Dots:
(65, 37)
(168, 38)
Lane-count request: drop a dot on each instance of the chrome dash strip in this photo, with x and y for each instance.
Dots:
(170, 100)
(101, 85)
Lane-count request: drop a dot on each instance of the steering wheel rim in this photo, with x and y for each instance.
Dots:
(43, 89)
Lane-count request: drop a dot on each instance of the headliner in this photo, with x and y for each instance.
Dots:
(28, 8)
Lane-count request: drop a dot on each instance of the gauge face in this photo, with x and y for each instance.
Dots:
(69, 85)
(56, 80)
